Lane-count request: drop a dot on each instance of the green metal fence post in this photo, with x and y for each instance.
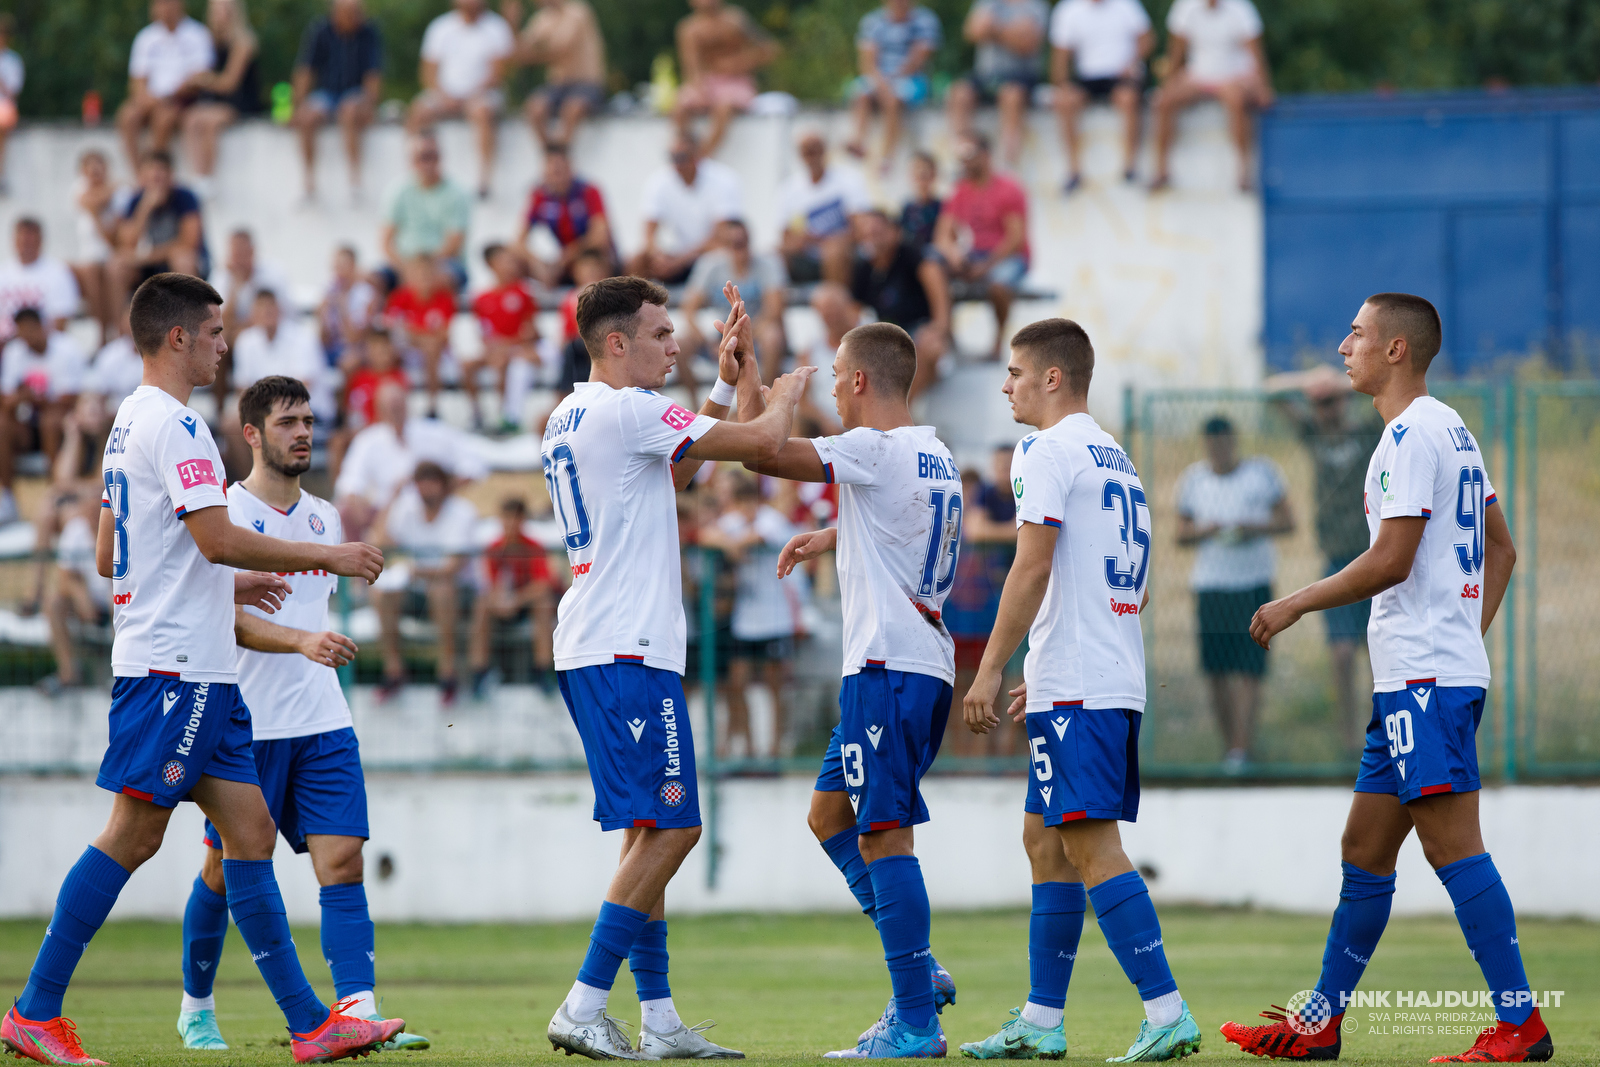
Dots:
(347, 672)
(708, 686)
(1508, 608)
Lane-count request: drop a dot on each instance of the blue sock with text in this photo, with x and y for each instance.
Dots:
(903, 927)
(83, 903)
(1358, 923)
(1483, 908)
(614, 933)
(347, 939)
(844, 849)
(205, 927)
(1055, 926)
(1128, 919)
(648, 961)
(258, 912)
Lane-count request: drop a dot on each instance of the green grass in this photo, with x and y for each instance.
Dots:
(786, 988)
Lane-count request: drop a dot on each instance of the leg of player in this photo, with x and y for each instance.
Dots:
(900, 898)
(205, 927)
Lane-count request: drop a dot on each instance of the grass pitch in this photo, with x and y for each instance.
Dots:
(787, 988)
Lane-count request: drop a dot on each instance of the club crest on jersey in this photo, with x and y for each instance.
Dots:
(314, 521)
(1061, 726)
(188, 423)
(673, 794)
(874, 734)
(172, 772)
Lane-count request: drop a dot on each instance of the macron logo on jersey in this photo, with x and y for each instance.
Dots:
(193, 472)
(637, 726)
(678, 417)
(1399, 432)
(1422, 697)
(168, 699)
(874, 735)
(260, 526)
(1027, 443)
(188, 423)
(1061, 726)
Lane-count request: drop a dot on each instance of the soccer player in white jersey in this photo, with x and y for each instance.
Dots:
(304, 743)
(178, 728)
(614, 450)
(1076, 589)
(898, 536)
(1439, 562)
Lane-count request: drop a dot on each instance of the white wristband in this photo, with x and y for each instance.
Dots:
(722, 394)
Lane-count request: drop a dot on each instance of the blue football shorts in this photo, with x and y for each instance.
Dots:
(312, 785)
(166, 733)
(634, 721)
(890, 726)
(1422, 740)
(1084, 764)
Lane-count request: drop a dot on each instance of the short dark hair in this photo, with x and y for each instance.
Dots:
(490, 249)
(746, 489)
(1413, 318)
(514, 503)
(158, 155)
(888, 355)
(28, 222)
(611, 305)
(168, 300)
(257, 402)
(1059, 343)
(979, 138)
(266, 294)
(1218, 426)
(26, 314)
(429, 471)
(557, 148)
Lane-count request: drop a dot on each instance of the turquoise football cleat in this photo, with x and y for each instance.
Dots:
(895, 1040)
(1174, 1042)
(1019, 1039)
(199, 1030)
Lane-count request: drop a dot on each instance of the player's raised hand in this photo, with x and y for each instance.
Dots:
(356, 559)
(790, 387)
(728, 362)
(1019, 707)
(1272, 619)
(257, 589)
(328, 649)
(804, 547)
(977, 708)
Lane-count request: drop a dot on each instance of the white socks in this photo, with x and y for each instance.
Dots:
(362, 1005)
(585, 1002)
(659, 1015)
(1042, 1017)
(1164, 1011)
(199, 1003)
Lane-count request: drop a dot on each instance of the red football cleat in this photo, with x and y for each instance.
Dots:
(1504, 1043)
(343, 1035)
(54, 1041)
(1280, 1041)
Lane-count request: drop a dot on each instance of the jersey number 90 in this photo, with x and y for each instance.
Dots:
(1469, 517)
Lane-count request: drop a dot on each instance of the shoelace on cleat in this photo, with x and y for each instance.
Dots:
(702, 1026)
(615, 1030)
(67, 1032)
(340, 1005)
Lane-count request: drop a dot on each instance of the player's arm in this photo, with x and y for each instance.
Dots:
(260, 590)
(736, 366)
(327, 649)
(1499, 556)
(1019, 606)
(763, 439)
(240, 547)
(105, 543)
(804, 547)
(1386, 564)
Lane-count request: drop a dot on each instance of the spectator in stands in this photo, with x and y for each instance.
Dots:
(992, 210)
(719, 50)
(117, 370)
(682, 205)
(230, 89)
(988, 545)
(838, 315)
(564, 36)
(81, 596)
(573, 211)
(12, 73)
(164, 56)
(347, 308)
(575, 366)
(41, 373)
(368, 365)
(1098, 49)
(338, 77)
(434, 529)
(506, 318)
(1231, 509)
(161, 230)
(420, 312)
(427, 216)
(893, 46)
(275, 343)
(904, 287)
(919, 217)
(1007, 35)
(245, 274)
(466, 54)
(35, 280)
(518, 587)
(1215, 50)
(98, 203)
(818, 204)
(762, 282)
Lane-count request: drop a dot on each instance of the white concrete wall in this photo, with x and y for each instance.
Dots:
(470, 848)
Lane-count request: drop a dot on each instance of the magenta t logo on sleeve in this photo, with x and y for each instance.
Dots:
(193, 472)
(678, 417)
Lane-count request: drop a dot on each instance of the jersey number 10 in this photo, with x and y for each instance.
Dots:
(560, 466)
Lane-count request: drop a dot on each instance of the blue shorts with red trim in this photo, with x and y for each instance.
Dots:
(312, 785)
(634, 721)
(1422, 740)
(890, 727)
(166, 733)
(1084, 764)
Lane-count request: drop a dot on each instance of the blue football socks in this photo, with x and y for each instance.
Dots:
(1358, 923)
(1483, 908)
(258, 912)
(903, 926)
(86, 896)
(347, 940)
(205, 927)
(648, 961)
(1054, 928)
(615, 931)
(844, 849)
(1128, 919)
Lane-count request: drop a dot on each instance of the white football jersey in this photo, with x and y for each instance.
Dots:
(172, 608)
(1085, 646)
(608, 456)
(899, 535)
(1427, 627)
(287, 694)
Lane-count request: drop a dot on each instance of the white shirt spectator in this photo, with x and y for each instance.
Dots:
(116, 372)
(822, 208)
(765, 607)
(11, 73)
(240, 297)
(1217, 38)
(1102, 34)
(687, 213)
(430, 543)
(92, 245)
(56, 372)
(165, 58)
(1246, 494)
(293, 350)
(378, 462)
(466, 51)
(75, 552)
(46, 284)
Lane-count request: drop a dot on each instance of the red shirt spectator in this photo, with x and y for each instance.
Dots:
(430, 314)
(983, 210)
(505, 311)
(517, 563)
(569, 315)
(361, 396)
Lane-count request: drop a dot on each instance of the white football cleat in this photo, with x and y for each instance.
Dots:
(684, 1043)
(600, 1038)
